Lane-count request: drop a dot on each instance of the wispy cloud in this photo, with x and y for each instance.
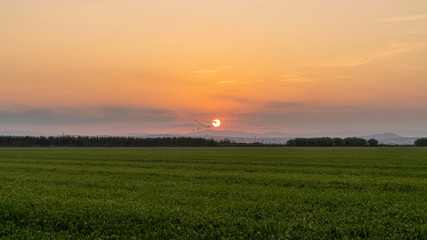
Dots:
(408, 18)
(284, 104)
(295, 79)
(395, 49)
(203, 71)
(227, 82)
(233, 98)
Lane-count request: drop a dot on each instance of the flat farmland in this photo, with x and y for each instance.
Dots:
(213, 193)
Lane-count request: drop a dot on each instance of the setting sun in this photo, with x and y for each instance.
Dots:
(216, 123)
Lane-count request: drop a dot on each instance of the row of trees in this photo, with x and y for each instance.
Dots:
(81, 141)
(421, 142)
(84, 141)
(331, 142)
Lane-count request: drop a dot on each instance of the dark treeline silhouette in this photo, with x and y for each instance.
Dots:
(421, 142)
(331, 142)
(84, 141)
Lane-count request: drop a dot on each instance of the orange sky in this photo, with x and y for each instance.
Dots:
(290, 66)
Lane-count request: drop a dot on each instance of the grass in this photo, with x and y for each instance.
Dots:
(213, 193)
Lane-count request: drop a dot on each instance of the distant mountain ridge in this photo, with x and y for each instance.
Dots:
(392, 139)
(209, 132)
(383, 136)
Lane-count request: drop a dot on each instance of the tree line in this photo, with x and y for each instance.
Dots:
(331, 142)
(85, 141)
(421, 142)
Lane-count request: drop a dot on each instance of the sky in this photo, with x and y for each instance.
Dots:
(162, 66)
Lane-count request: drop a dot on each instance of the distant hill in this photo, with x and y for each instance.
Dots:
(392, 139)
(226, 133)
(383, 136)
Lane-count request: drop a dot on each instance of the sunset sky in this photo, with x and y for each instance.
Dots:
(161, 66)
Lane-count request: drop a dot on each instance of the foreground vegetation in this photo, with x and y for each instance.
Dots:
(213, 193)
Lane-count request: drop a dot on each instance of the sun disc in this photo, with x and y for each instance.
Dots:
(216, 123)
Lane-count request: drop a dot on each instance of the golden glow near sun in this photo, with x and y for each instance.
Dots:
(216, 123)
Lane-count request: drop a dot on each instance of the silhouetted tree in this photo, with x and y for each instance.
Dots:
(291, 143)
(373, 142)
(421, 142)
(339, 142)
(355, 141)
(311, 142)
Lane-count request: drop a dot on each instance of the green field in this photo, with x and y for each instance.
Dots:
(213, 193)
